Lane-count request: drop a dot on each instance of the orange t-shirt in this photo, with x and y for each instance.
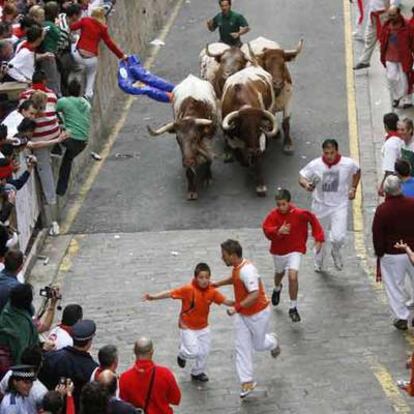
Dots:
(195, 304)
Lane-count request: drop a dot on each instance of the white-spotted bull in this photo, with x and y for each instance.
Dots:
(247, 121)
(218, 61)
(195, 121)
(272, 58)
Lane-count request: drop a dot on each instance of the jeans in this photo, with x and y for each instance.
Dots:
(73, 148)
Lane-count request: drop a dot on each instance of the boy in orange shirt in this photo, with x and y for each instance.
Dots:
(196, 298)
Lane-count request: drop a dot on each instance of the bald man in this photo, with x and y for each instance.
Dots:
(109, 380)
(148, 385)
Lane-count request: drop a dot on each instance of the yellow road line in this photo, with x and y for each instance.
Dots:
(384, 378)
(73, 211)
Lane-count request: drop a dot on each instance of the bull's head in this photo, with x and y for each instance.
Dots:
(190, 133)
(274, 62)
(231, 60)
(251, 126)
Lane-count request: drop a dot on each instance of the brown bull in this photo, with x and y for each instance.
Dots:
(195, 114)
(272, 58)
(247, 121)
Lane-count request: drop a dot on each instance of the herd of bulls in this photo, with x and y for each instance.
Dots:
(242, 89)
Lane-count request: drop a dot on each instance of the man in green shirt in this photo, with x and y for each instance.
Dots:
(75, 112)
(50, 45)
(231, 25)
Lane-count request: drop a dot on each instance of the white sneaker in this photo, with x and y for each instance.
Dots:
(54, 229)
(317, 267)
(337, 259)
(358, 36)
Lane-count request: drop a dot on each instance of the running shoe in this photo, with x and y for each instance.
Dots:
(200, 377)
(401, 324)
(294, 315)
(276, 296)
(181, 362)
(337, 259)
(247, 388)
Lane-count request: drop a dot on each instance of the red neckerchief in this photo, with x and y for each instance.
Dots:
(66, 328)
(392, 134)
(26, 45)
(40, 87)
(332, 163)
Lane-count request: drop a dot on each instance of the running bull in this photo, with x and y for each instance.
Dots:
(272, 58)
(247, 121)
(195, 122)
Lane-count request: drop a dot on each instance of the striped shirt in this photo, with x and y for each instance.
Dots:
(47, 122)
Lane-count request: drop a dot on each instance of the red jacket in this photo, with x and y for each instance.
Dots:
(296, 240)
(134, 383)
(92, 32)
(405, 44)
(393, 221)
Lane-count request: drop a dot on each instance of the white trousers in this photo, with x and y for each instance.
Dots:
(195, 345)
(397, 81)
(251, 335)
(44, 169)
(359, 28)
(370, 41)
(394, 268)
(90, 65)
(334, 226)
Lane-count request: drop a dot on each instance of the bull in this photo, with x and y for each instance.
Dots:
(195, 122)
(272, 58)
(247, 121)
(219, 61)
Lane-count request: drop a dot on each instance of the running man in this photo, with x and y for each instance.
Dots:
(286, 227)
(333, 181)
(251, 314)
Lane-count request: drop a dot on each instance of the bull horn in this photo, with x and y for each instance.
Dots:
(268, 115)
(291, 54)
(159, 131)
(253, 58)
(203, 122)
(228, 119)
(211, 54)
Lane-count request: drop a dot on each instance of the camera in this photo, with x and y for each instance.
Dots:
(62, 381)
(49, 292)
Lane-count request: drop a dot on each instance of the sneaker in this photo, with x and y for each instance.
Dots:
(54, 229)
(361, 66)
(403, 384)
(276, 296)
(317, 267)
(337, 259)
(276, 351)
(200, 377)
(400, 324)
(181, 362)
(294, 315)
(247, 388)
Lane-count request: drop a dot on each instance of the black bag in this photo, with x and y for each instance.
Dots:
(148, 396)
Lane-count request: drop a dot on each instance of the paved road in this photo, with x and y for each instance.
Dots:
(148, 192)
(135, 232)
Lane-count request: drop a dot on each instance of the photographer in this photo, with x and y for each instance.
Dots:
(18, 328)
(53, 401)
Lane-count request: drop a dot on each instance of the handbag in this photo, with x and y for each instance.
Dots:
(148, 396)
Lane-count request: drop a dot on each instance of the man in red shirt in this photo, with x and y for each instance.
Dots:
(397, 46)
(286, 227)
(135, 383)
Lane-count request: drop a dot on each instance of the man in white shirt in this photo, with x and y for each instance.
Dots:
(61, 334)
(25, 110)
(333, 180)
(375, 14)
(251, 314)
(391, 150)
